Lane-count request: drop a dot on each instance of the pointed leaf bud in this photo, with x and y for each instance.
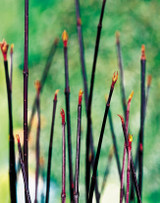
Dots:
(65, 38)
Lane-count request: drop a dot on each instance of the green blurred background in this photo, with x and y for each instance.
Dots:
(138, 23)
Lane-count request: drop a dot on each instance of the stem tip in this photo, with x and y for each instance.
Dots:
(4, 48)
(121, 117)
(65, 38)
(80, 97)
(143, 56)
(63, 116)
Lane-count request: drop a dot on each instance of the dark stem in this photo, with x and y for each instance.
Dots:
(93, 180)
(11, 69)
(67, 96)
(24, 174)
(76, 185)
(37, 147)
(12, 170)
(140, 177)
(43, 79)
(25, 92)
(63, 195)
(81, 48)
(120, 65)
(50, 151)
(90, 98)
(128, 174)
(122, 174)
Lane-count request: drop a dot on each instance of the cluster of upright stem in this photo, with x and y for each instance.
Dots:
(85, 83)
(132, 164)
(125, 146)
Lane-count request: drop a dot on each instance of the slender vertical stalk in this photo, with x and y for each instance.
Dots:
(63, 195)
(23, 171)
(149, 80)
(132, 164)
(128, 166)
(93, 180)
(38, 87)
(12, 170)
(67, 96)
(25, 91)
(143, 69)
(85, 85)
(99, 28)
(114, 143)
(43, 78)
(11, 62)
(81, 48)
(106, 173)
(122, 174)
(76, 184)
(120, 65)
(50, 147)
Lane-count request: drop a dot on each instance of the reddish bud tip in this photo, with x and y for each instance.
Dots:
(63, 116)
(79, 22)
(37, 86)
(149, 80)
(55, 95)
(80, 97)
(130, 96)
(12, 47)
(122, 119)
(117, 37)
(4, 48)
(72, 185)
(130, 138)
(114, 78)
(141, 147)
(65, 38)
(143, 57)
(18, 139)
